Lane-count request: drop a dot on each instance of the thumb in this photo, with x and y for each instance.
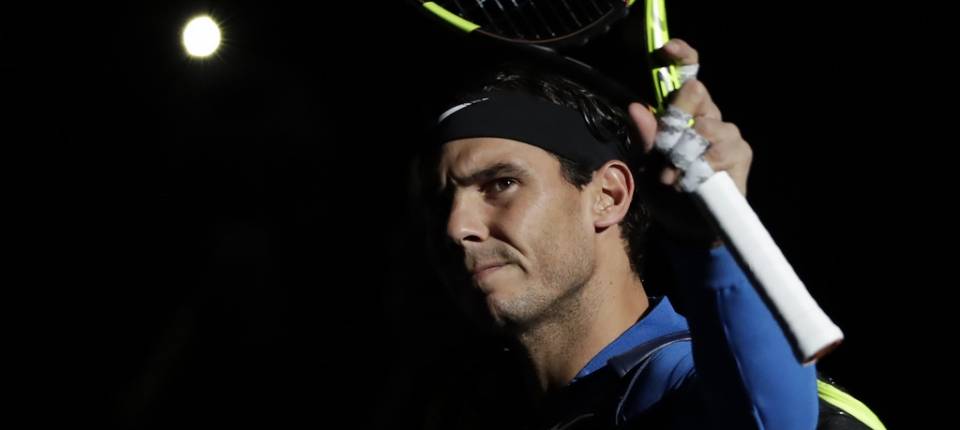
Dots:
(644, 123)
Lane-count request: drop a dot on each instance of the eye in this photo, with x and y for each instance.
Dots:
(499, 185)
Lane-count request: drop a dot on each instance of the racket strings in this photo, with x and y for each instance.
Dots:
(531, 20)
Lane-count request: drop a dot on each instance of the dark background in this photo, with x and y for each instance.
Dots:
(226, 242)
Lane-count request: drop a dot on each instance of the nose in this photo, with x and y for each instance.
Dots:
(466, 222)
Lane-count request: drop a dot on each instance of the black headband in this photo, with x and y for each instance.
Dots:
(530, 120)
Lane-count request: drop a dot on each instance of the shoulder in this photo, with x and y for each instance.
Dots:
(665, 374)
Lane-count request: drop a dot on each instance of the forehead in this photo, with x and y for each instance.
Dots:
(459, 158)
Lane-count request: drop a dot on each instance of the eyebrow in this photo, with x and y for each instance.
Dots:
(489, 173)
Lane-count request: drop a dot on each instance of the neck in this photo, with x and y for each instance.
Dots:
(593, 317)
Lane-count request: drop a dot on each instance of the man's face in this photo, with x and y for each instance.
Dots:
(520, 235)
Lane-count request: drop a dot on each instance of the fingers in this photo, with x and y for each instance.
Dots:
(727, 147)
(694, 98)
(680, 52)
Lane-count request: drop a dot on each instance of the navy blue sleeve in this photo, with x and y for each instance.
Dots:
(745, 369)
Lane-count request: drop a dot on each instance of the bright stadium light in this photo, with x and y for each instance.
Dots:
(201, 36)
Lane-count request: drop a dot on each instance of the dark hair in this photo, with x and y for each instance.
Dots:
(605, 120)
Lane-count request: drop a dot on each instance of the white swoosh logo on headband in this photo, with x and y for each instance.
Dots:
(456, 108)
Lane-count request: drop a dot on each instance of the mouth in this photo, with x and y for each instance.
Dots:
(484, 271)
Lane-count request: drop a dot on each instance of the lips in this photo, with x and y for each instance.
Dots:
(484, 270)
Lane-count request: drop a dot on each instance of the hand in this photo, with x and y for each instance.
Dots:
(728, 151)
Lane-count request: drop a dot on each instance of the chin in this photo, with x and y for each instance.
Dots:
(498, 307)
(509, 313)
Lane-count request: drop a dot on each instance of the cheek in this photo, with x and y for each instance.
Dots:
(554, 229)
(525, 224)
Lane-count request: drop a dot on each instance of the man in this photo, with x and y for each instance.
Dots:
(541, 194)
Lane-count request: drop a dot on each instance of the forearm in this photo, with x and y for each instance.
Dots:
(741, 354)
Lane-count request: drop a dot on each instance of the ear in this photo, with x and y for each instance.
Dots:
(612, 193)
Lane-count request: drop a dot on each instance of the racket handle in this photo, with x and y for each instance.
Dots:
(807, 326)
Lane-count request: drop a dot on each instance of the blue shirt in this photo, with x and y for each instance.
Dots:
(739, 371)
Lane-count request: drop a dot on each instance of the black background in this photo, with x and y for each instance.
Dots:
(226, 241)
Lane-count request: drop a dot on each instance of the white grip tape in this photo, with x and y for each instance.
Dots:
(697, 173)
(687, 72)
(688, 149)
(684, 147)
(811, 328)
